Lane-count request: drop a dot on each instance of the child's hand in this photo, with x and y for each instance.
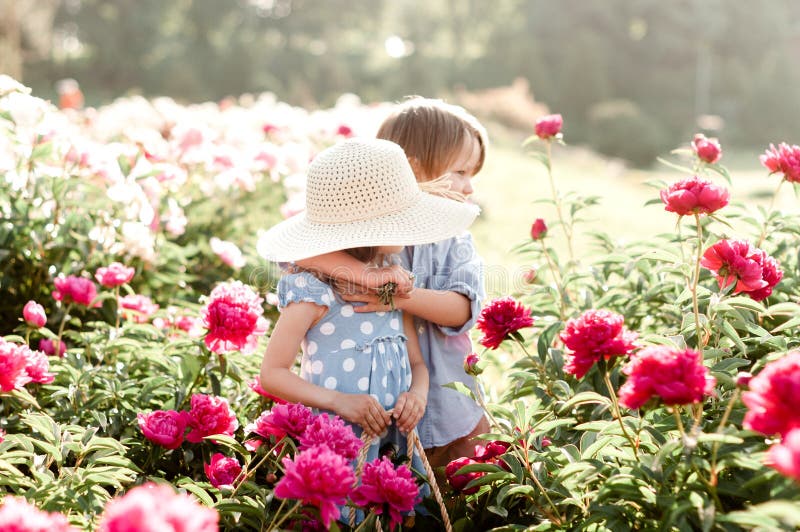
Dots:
(408, 410)
(364, 410)
(377, 277)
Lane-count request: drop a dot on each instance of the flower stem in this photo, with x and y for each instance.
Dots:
(720, 428)
(483, 405)
(769, 211)
(558, 280)
(116, 312)
(695, 281)
(248, 470)
(557, 200)
(617, 414)
(679, 422)
(57, 346)
(276, 526)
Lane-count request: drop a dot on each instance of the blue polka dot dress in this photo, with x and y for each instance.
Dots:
(353, 353)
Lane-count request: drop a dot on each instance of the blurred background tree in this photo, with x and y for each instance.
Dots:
(658, 67)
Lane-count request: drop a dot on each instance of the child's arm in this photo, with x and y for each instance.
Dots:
(345, 268)
(442, 307)
(410, 405)
(278, 378)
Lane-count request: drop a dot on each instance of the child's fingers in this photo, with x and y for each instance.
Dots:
(399, 406)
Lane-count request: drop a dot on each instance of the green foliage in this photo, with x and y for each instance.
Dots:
(619, 128)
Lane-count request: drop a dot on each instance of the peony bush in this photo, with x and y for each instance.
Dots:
(653, 385)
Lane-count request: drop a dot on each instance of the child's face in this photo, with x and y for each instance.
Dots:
(462, 169)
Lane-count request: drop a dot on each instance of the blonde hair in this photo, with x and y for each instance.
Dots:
(432, 133)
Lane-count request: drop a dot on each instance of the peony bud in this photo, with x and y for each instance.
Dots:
(743, 379)
(530, 276)
(707, 150)
(548, 126)
(34, 315)
(472, 365)
(538, 229)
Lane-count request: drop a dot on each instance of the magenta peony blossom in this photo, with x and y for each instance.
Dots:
(593, 335)
(48, 347)
(223, 471)
(530, 275)
(228, 252)
(694, 196)
(72, 289)
(332, 432)
(255, 385)
(137, 308)
(773, 401)
(735, 261)
(33, 314)
(785, 456)
(458, 482)
(18, 515)
(13, 360)
(210, 415)
(707, 149)
(501, 318)
(290, 419)
(771, 274)
(164, 427)
(115, 274)
(319, 477)
(155, 507)
(472, 365)
(676, 376)
(38, 367)
(234, 318)
(386, 489)
(548, 126)
(2, 435)
(784, 159)
(490, 451)
(345, 131)
(538, 229)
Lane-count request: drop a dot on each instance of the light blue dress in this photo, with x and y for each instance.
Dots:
(449, 265)
(351, 352)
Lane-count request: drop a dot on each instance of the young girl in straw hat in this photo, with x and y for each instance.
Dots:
(446, 147)
(361, 196)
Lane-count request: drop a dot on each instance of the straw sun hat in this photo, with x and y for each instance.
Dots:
(362, 192)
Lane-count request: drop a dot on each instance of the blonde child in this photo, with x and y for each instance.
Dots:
(445, 147)
(365, 367)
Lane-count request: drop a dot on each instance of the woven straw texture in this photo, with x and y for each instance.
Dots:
(362, 192)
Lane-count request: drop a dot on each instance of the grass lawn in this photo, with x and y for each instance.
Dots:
(512, 181)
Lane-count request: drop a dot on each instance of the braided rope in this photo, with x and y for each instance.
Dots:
(366, 439)
(414, 443)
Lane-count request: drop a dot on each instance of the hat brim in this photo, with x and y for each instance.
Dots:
(428, 219)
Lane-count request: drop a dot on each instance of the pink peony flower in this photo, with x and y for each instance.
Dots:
(490, 451)
(538, 229)
(72, 289)
(290, 419)
(743, 379)
(38, 367)
(18, 515)
(33, 314)
(501, 318)
(785, 456)
(771, 274)
(115, 274)
(223, 471)
(773, 401)
(459, 481)
(210, 415)
(472, 365)
(319, 477)
(137, 308)
(234, 318)
(694, 196)
(530, 275)
(548, 126)
(593, 335)
(345, 131)
(735, 261)
(676, 376)
(332, 432)
(13, 360)
(48, 347)
(386, 489)
(155, 507)
(707, 149)
(164, 427)
(255, 385)
(784, 159)
(228, 252)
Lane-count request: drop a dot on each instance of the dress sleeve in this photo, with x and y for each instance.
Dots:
(303, 287)
(461, 270)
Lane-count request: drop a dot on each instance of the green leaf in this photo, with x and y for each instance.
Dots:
(229, 442)
(730, 332)
(461, 388)
(745, 302)
(585, 398)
